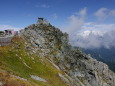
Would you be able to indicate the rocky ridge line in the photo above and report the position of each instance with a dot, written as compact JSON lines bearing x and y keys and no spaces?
{"x":79,"y":69}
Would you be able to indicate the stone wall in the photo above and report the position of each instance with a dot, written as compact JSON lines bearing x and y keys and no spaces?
{"x":4,"y":41}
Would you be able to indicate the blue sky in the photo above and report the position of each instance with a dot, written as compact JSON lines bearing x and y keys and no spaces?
{"x":20,"y":13}
{"x":80,"y":18}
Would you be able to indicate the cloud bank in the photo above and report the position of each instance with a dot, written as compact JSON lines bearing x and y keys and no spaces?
{"x":90,"y":34}
{"x":96,"y":37}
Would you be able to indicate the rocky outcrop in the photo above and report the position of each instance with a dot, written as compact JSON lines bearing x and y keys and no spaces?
{"x":79,"y":69}
{"x":38,"y":78}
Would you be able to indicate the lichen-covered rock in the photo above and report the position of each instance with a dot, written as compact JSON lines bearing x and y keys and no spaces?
{"x":82,"y":70}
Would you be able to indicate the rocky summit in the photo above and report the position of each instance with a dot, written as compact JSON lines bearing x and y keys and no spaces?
{"x":41,"y":55}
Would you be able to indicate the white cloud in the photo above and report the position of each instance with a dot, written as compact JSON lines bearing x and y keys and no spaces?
{"x":42,"y":6}
{"x":90,"y":34}
{"x":82,"y":12}
{"x":75,"y":22}
{"x":45,"y":6}
{"x":4,"y":27}
{"x":112,"y":13}
{"x":104,"y":13}
{"x":55,"y":16}
{"x":99,"y":27}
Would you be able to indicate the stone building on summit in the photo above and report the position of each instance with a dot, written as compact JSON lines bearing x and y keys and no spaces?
{"x":42,"y":21}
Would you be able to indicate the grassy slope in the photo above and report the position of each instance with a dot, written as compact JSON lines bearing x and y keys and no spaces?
{"x":8,"y":80}
{"x":12,"y":60}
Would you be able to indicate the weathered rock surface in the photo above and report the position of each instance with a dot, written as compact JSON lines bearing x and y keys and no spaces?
{"x":80,"y":69}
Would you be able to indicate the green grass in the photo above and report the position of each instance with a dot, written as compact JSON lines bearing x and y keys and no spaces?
{"x":11,"y":62}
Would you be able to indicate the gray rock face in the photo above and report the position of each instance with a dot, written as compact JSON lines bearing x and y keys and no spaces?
{"x":80,"y":69}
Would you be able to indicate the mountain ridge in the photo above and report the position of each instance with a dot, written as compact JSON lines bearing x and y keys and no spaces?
{"x":44,"y":53}
{"x":103,"y":55}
